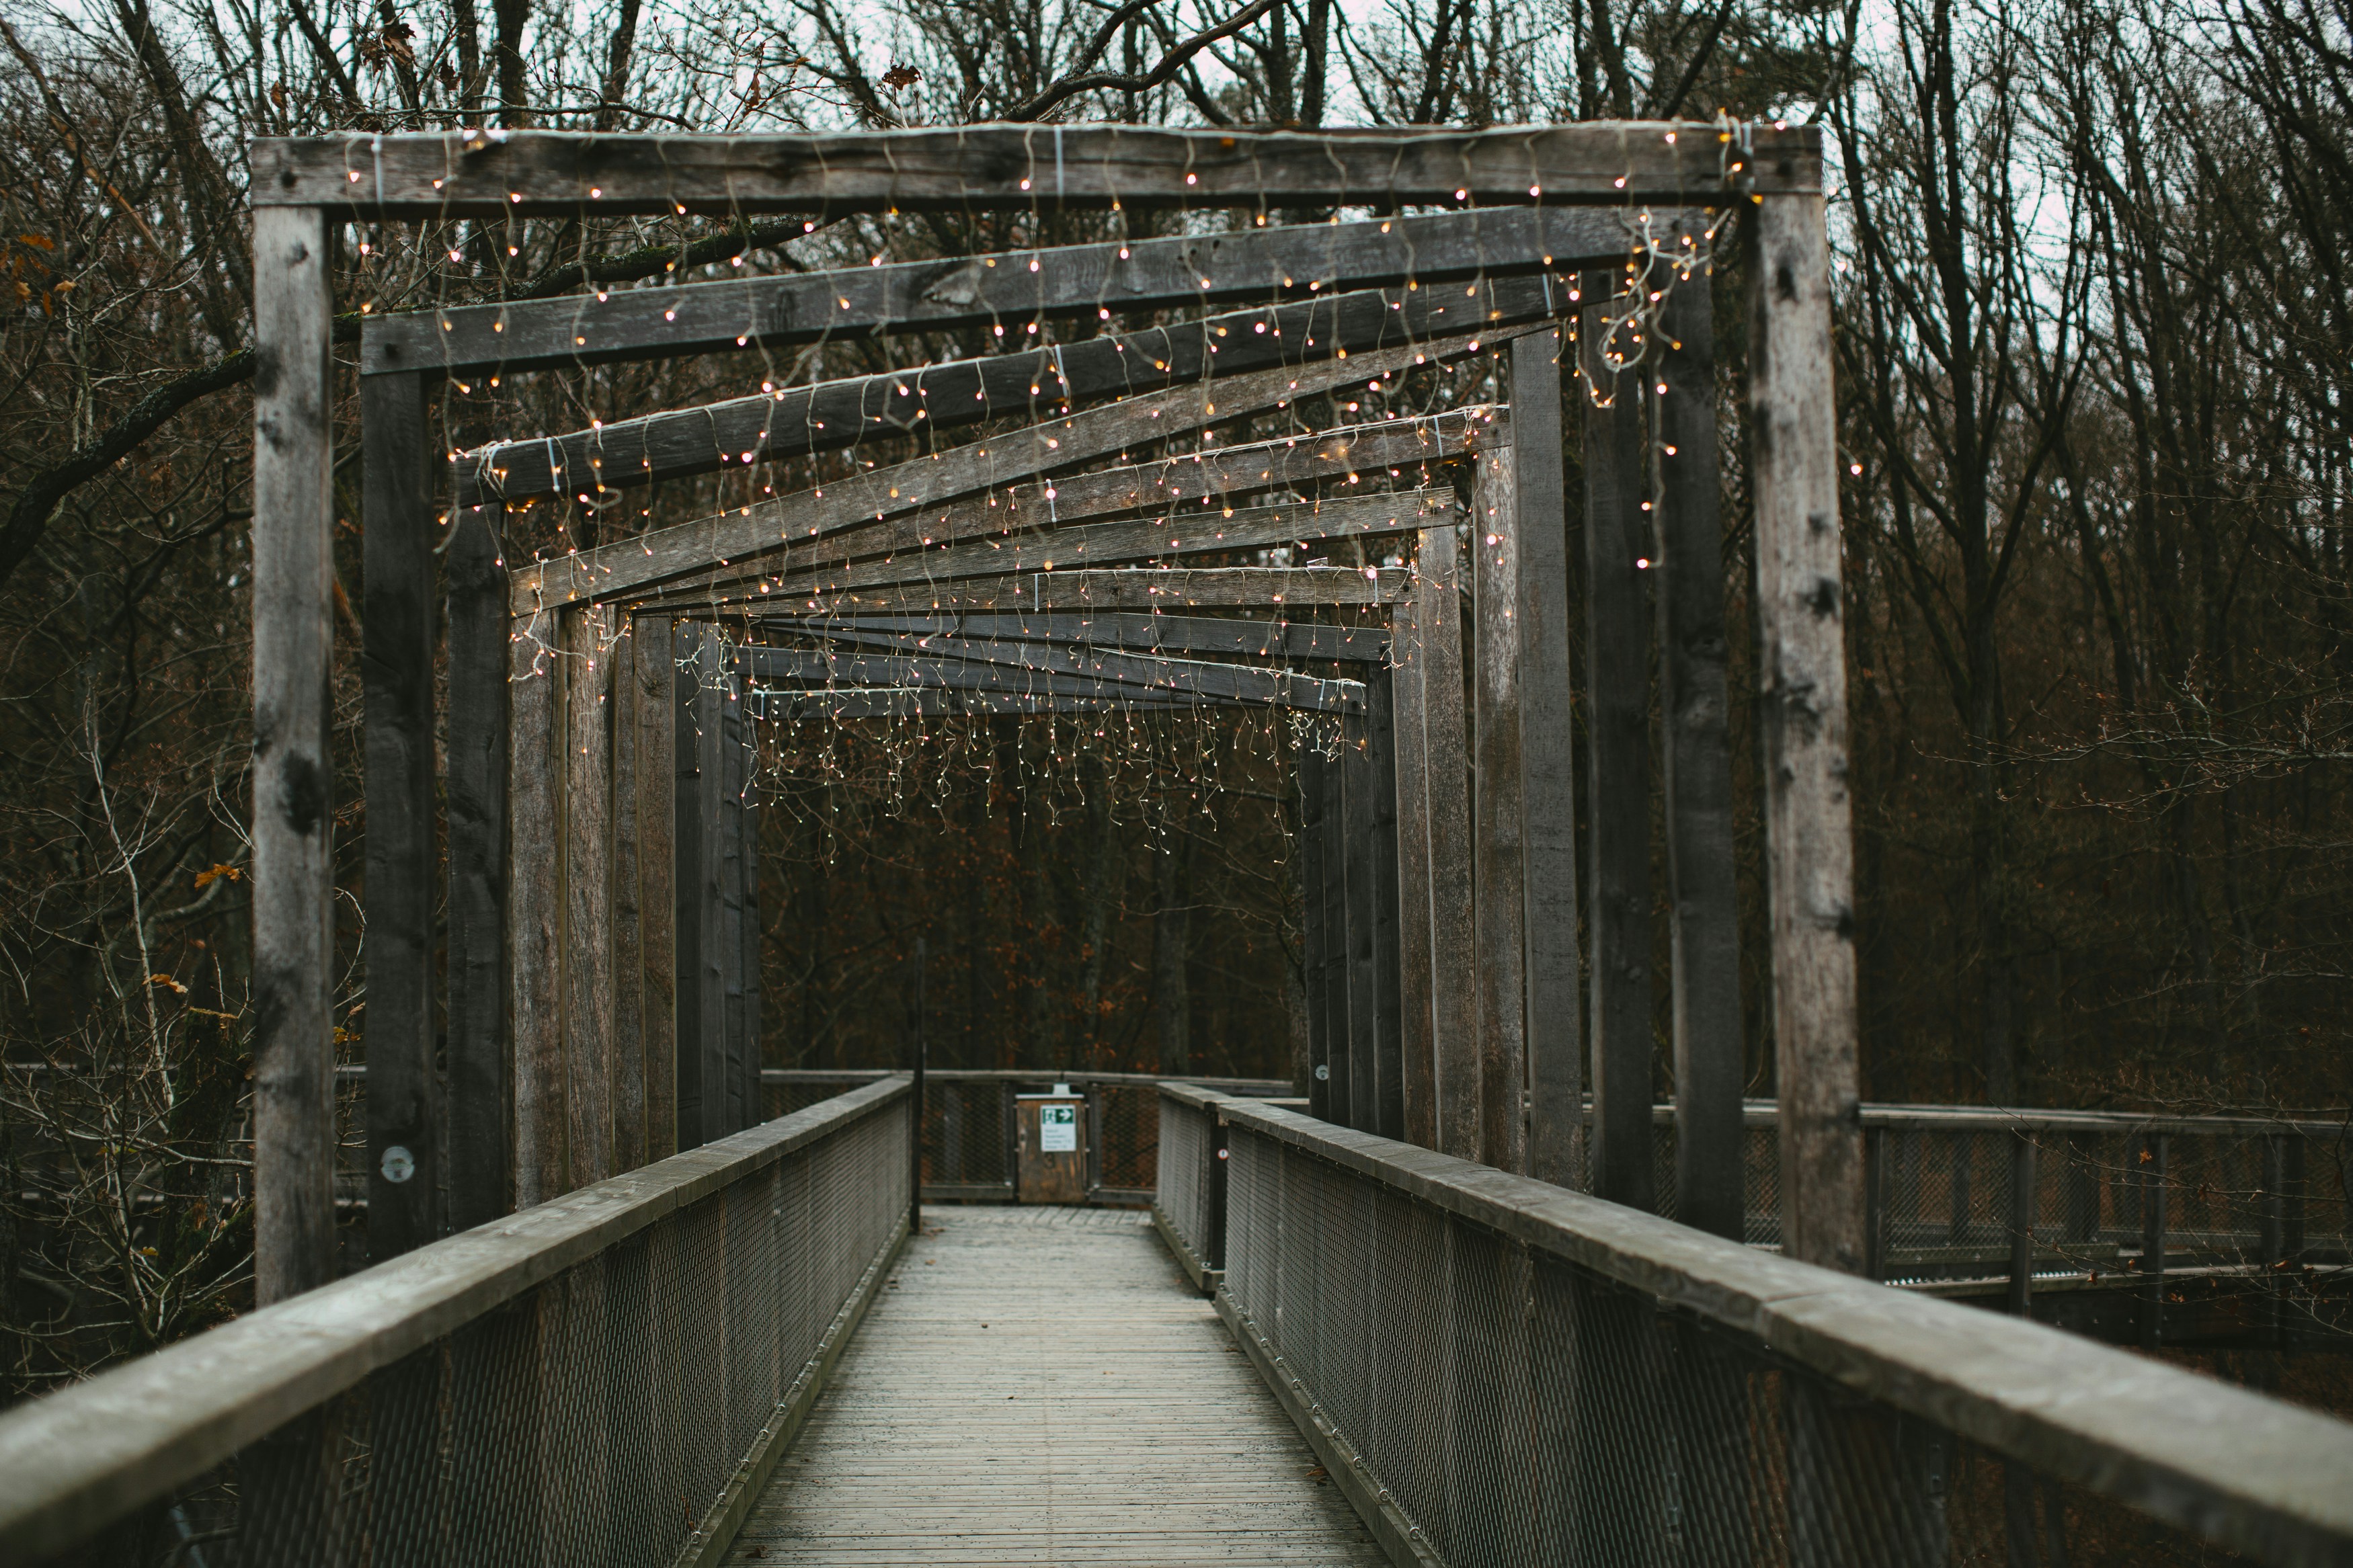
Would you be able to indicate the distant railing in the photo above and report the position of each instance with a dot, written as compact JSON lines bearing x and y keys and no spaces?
{"x":1500,"y":1371}
{"x":601,"y":1379}
{"x":968,"y":1127}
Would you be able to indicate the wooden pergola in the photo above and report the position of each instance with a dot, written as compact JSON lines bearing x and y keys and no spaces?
{"x":582,"y":966}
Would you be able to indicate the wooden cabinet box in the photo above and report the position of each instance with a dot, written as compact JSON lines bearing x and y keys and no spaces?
{"x":1050,"y":1149}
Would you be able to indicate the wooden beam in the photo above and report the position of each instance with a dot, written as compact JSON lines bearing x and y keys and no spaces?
{"x":1415,"y":979}
{"x":1339,"y":1021}
{"x":1043,"y":384}
{"x":628,"y":1053}
{"x":404,"y":1087}
{"x":480,"y":1068}
{"x":1710,"y":1065}
{"x":1500,"y":911}
{"x":1454,"y":964}
{"x":536,"y":775}
{"x":915,"y":661}
{"x":654,"y":675}
{"x":847,"y":703}
{"x":701,"y":997}
{"x":630,"y":566}
{"x":1555,"y":1038}
{"x":1380,"y":851}
{"x":1180,"y":531}
{"x":1617,"y":550}
{"x":1252,"y":637}
{"x":1251,"y":266}
{"x":1119,"y":589}
{"x":293,"y":780}
{"x":1358,"y":871}
{"x":1802,"y":686}
{"x":790,"y":668}
{"x":738,"y":973}
{"x":585,"y":835}
{"x":478,"y":173}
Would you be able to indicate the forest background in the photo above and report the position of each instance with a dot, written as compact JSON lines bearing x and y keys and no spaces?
{"x":2095,"y":320}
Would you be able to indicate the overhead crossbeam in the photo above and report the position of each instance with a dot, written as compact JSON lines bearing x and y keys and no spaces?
{"x":480,"y":173}
{"x":914,"y":664}
{"x":590,"y":465}
{"x":1014,"y":289}
{"x":841,"y":705}
{"x":799,"y":668}
{"x":1171,"y":634}
{"x":1119,"y":589}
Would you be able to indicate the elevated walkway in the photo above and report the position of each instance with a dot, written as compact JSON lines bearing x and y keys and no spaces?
{"x":1041,"y":1386}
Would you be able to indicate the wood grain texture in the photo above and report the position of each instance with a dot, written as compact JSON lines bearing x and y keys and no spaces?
{"x":1358,"y":829}
{"x":1031,"y":386}
{"x":1252,"y":637}
{"x":1102,"y":1415}
{"x":1455,"y":1004}
{"x":1117,"y":588}
{"x":536,"y":775}
{"x":481,"y":173}
{"x":774,"y":310}
{"x":840,"y":704}
{"x":1339,"y":1018}
{"x":586,"y":845}
{"x":293,"y":780}
{"x":480,"y":1071}
{"x":1618,"y":751}
{"x":628,"y":911}
{"x":1555,"y":1033}
{"x":1709,"y":1061}
{"x":1380,"y":851}
{"x":955,"y":660}
{"x":1418,"y":1069}
{"x":1313,"y":938}
{"x":1801,"y":710}
{"x":404,"y":1083}
{"x":1500,"y":920}
{"x":655,"y":675}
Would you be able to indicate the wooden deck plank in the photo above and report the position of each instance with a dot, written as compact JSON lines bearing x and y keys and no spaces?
{"x":1039,"y":1386}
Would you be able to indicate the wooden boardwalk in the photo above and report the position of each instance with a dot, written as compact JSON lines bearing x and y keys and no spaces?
{"x":1041,"y":1386}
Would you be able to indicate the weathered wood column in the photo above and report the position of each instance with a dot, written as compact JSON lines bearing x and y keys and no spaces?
{"x":1801,"y":685}
{"x":585,"y":835}
{"x":702,"y":999}
{"x":1502,"y":909}
{"x":1454,"y":987}
{"x":1418,"y":1069}
{"x":535,"y":773}
{"x":1618,"y":547}
{"x":645,"y":1108}
{"x":1339,"y":1023}
{"x":1358,"y":829}
{"x":1312,"y":936}
{"x":1555,"y":1035}
{"x":1708,"y":1055}
{"x":480,"y":1066}
{"x":404,"y":1089}
{"x":1381,"y":853}
{"x":293,"y":781}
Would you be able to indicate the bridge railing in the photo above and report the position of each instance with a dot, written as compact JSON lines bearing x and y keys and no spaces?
{"x":1502,"y":1372}
{"x":601,"y":1379}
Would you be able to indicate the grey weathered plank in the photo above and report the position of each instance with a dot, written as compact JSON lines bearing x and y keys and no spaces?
{"x":1339,"y":1018}
{"x":844,"y":703}
{"x":481,"y":1072}
{"x":293,"y":782}
{"x":535,"y":778}
{"x":1380,"y":851}
{"x":655,"y":674}
{"x":628,"y":1014}
{"x":404,"y":1090}
{"x":1035,"y":386}
{"x":1555,"y":1037}
{"x":478,"y":173}
{"x":1703,"y":915}
{"x":702,"y":1091}
{"x":913,"y":657}
{"x":1252,"y":636}
{"x":1313,"y":938}
{"x":1181,"y":531}
{"x":1360,"y":834}
{"x":1419,"y":1066}
{"x":1119,"y":589}
{"x":1618,"y":546}
{"x":796,"y":669}
{"x":1801,"y":689}
{"x":754,"y":532}
{"x":585,"y":841}
{"x":1500,"y":918}
{"x":1455,"y":1004}
{"x":1009,"y":288}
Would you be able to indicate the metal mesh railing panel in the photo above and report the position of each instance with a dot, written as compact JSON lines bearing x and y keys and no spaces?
{"x":1127,"y":1136}
{"x":596,"y":1418}
{"x":1186,"y":1144}
{"x":1516,"y":1406}
{"x":965,"y":1132}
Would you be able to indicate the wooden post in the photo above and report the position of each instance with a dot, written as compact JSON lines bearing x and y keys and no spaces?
{"x":1381,"y":856}
{"x":586,"y":833}
{"x":1875,"y":1178}
{"x":1708,"y":1057}
{"x":293,"y":782}
{"x":747,"y":866}
{"x":1312,"y":935}
{"x":2021,"y":1223}
{"x":1454,"y":987}
{"x":1417,"y":1069}
{"x":404,"y":1090}
{"x":701,"y":1002}
{"x":536,"y":778}
{"x":1556,"y":1036}
{"x":1339,"y":1025}
{"x":655,"y":678}
{"x":1501,"y":905}
{"x":629,"y":998}
{"x":2152,"y":1241}
{"x":480,"y":1071}
{"x":1359,"y":829}
{"x":1617,"y":550}
{"x":1802,"y":682}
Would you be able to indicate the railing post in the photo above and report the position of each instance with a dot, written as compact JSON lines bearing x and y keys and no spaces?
{"x":1339,"y":1025}
{"x":1875,"y":1176}
{"x":2152,"y":1240}
{"x":2021,"y":1223}
{"x":915,"y":1138}
{"x":1213,"y":1228}
{"x":1497,"y":888}
{"x":480,"y":1071}
{"x":1313,"y":938}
